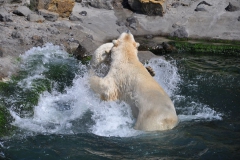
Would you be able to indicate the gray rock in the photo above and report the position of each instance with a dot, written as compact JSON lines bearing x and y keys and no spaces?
{"x":122,"y":29}
{"x":35,"y":18}
{"x":75,"y":18}
{"x":50,"y":16}
{"x":200,"y":9}
{"x":204,"y":3}
{"x":2,"y":2}
{"x":53,"y":30}
{"x":83,"y":13}
{"x":22,"y":11}
{"x":103,"y":4}
{"x":79,"y":1}
{"x":16,"y":35}
{"x":135,"y":5}
{"x":132,"y":22}
{"x":180,"y":33}
{"x":175,"y":4}
{"x":150,"y":9}
{"x":120,"y":23}
{"x":4,"y":16}
{"x":239,"y":18}
{"x":85,"y":48}
{"x":150,"y":36}
{"x":1,"y":52}
{"x":231,"y":8}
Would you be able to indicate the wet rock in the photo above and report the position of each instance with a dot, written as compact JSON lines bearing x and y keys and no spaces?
{"x":102,"y":4}
{"x":62,"y":7}
{"x":4,"y":16}
{"x":35,"y":18}
{"x":16,"y":35}
{"x":22,"y":11}
{"x":180,"y":33}
{"x":75,"y":18}
{"x":50,"y":16}
{"x":231,"y":8}
{"x":83,"y":13}
{"x":168,"y":48}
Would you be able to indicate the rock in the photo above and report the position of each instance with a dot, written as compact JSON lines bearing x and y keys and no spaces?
{"x":102,"y":4}
{"x":122,"y":29}
{"x":180,"y":33}
{"x":231,"y":8}
{"x":1,"y":52}
{"x":53,"y":30}
{"x":200,"y":9}
{"x":62,"y":7}
{"x":50,"y":16}
{"x":239,"y":18}
{"x":175,"y":4}
{"x":75,"y":18}
{"x":132,"y":22}
{"x":16,"y":35}
{"x":83,"y":13}
{"x":149,"y":7}
{"x":79,"y":1}
{"x":4,"y":16}
{"x":120,"y":23}
{"x":37,"y":41}
{"x":205,"y":3}
{"x":85,"y":48}
{"x":7,"y":67}
{"x":149,"y":36}
{"x":35,"y":18}
{"x":2,"y":2}
{"x":168,"y":48}
{"x":22,"y":11}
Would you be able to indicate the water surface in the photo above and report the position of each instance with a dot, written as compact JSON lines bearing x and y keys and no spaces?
{"x":70,"y":122}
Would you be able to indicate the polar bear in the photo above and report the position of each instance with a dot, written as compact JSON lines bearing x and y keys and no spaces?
{"x":128,"y":80}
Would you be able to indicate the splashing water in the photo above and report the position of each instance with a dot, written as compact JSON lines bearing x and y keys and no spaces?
{"x":77,"y":109}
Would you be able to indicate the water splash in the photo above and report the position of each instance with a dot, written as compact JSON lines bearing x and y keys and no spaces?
{"x":77,"y":109}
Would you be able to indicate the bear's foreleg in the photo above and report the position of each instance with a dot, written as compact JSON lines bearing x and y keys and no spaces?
{"x":105,"y":87}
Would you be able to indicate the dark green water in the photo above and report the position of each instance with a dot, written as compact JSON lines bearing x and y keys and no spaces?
{"x":75,"y":125}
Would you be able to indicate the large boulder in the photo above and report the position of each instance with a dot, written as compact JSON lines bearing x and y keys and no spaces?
{"x":62,"y":7}
{"x":149,"y":7}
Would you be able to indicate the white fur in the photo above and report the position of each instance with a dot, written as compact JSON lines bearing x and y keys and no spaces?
{"x":128,"y":80}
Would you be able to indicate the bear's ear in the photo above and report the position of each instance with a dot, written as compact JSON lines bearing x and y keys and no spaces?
{"x":115,"y":43}
{"x":136,"y":44}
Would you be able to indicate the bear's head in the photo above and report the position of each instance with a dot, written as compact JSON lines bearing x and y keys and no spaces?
{"x":125,"y":45}
{"x":126,"y":38}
